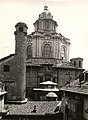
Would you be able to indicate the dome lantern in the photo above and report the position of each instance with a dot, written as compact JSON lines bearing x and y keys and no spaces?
{"x":45,"y":22}
{"x":45,"y":14}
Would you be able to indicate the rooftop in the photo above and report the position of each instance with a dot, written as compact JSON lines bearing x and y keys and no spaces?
{"x":7,"y":57}
{"x":76,"y":87}
{"x":42,"y":107}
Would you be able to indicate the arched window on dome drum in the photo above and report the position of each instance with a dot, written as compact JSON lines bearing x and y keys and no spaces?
{"x":46,"y":51}
{"x":29,"y":51}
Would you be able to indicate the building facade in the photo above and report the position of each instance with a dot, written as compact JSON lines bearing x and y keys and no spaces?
{"x":40,"y":56}
{"x":75,"y":99}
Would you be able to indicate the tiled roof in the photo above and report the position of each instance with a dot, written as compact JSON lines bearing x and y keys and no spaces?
{"x":75,"y":87}
{"x":66,"y":65}
{"x":42,"y":107}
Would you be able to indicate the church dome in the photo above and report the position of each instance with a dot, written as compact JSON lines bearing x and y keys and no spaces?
{"x":45,"y":14}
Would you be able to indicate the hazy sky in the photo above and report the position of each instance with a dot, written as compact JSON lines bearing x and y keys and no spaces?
{"x":71,"y":17}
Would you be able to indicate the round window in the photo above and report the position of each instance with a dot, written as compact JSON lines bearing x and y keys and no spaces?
{"x":21,"y":29}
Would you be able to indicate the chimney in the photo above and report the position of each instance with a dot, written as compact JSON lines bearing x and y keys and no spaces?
{"x":20,"y":58}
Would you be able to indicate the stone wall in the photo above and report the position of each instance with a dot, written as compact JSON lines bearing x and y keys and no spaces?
{"x":9,"y":77}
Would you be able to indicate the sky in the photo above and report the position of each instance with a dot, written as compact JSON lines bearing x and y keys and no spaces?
{"x":70,"y":15}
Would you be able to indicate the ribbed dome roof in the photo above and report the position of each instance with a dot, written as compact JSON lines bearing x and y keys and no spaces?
{"x":45,"y":14}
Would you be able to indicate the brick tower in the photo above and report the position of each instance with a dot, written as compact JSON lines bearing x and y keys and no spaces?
{"x":20,"y":57}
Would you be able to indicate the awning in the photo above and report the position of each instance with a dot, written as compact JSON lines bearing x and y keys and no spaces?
{"x":46,"y":89}
{"x":51,"y":94}
{"x":48,"y":83}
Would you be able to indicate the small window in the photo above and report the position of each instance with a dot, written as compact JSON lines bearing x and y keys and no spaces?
{"x":74,"y":63}
{"x":54,"y":79}
{"x":41,"y":79}
{"x":62,"y":58}
{"x":80,"y":64}
{"x":21,"y":29}
{"x":27,"y":69}
{"x":86,"y":76}
{"x":1,"y":98}
{"x":47,"y":79}
{"x":6,"y":68}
